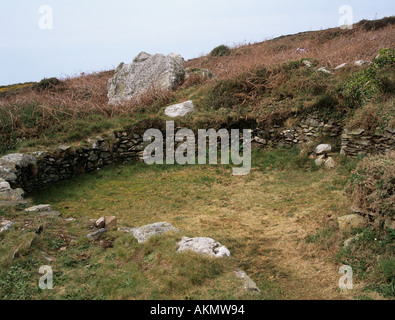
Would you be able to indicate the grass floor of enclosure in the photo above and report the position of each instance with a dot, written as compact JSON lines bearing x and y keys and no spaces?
{"x":279,"y":223}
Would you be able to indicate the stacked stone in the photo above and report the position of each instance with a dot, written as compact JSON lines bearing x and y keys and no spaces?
{"x":307,"y":130}
{"x":358,"y":141}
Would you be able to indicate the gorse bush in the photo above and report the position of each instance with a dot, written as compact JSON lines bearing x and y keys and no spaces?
{"x":220,"y":51}
{"x":386,"y":57}
{"x":361,"y":87}
{"x":372,"y":185}
{"x":47,"y":84}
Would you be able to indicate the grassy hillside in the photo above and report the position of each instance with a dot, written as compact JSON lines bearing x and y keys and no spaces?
{"x":279,"y":222}
{"x":261,"y":83}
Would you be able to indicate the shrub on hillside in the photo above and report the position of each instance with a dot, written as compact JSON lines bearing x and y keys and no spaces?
{"x":372,"y":185}
{"x":360,"y":87}
{"x":386,"y":57}
{"x":47,"y":84}
{"x":220,"y":51}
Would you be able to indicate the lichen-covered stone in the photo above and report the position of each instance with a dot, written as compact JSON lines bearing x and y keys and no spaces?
{"x":142,"y":234}
{"x":205,"y":246}
{"x":145,"y":72}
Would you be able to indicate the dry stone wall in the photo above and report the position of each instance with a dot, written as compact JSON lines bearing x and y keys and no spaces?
{"x":39,"y":169}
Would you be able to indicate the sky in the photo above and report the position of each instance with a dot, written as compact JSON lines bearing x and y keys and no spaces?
{"x":96,"y":35}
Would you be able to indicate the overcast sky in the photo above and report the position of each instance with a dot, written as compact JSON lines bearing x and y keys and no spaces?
{"x":94,"y":35}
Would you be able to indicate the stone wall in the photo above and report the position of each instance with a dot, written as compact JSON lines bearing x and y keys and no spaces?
{"x":306,"y":130}
{"x":35,"y":171}
{"x":32,"y":172}
{"x":358,"y":141}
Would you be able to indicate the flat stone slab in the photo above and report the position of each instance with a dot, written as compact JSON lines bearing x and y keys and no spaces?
{"x":180,"y":109}
{"x":5,"y":225}
{"x":97,"y":234}
{"x":323,"y":149}
{"x":205,"y":246}
{"x":142,"y":234}
{"x":43,"y":209}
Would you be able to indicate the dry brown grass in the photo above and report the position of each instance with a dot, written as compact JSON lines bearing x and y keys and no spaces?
{"x":329,"y":47}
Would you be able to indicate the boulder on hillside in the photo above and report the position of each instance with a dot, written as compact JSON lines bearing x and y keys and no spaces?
{"x":180,"y":109}
{"x":145,"y":72}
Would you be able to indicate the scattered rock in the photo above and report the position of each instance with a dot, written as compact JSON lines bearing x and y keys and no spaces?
{"x":43,"y":209}
{"x":125,"y":229}
{"x":7,"y":174}
{"x":249,"y":284}
{"x":96,"y":235}
{"x":39,"y":208}
{"x":324,"y":70}
{"x":146,"y":71}
{"x":179,"y":110}
{"x":142,"y":234}
{"x":320,"y":160}
{"x":340,"y":66}
{"x":110,"y":222}
{"x":307,"y":63}
{"x":351,"y":221}
{"x":348,"y":242}
{"x":260,"y":140}
{"x":206,"y":246}
{"x":360,"y":63}
{"x":5,"y":225}
{"x":100,"y":223}
{"x":323,"y":149}
{"x":330,"y":163}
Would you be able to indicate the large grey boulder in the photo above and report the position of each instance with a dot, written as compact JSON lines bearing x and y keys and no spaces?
{"x":205,"y":246}
{"x":142,"y":234}
{"x":16,"y":161}
{"x":180,"y":109}
{"x":145,"y":72}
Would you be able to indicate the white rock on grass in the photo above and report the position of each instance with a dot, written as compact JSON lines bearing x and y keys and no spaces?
{"x":324,"y":70}
{"x":360,"y":63}
{"x":142,"y":234}
{"x":340,"y":66}
{"x":323,"y":149}
{"x":205,"y":246}
{"x":43,"y":209}
{"x":180,"y":109}
{"x":5,"y":225}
